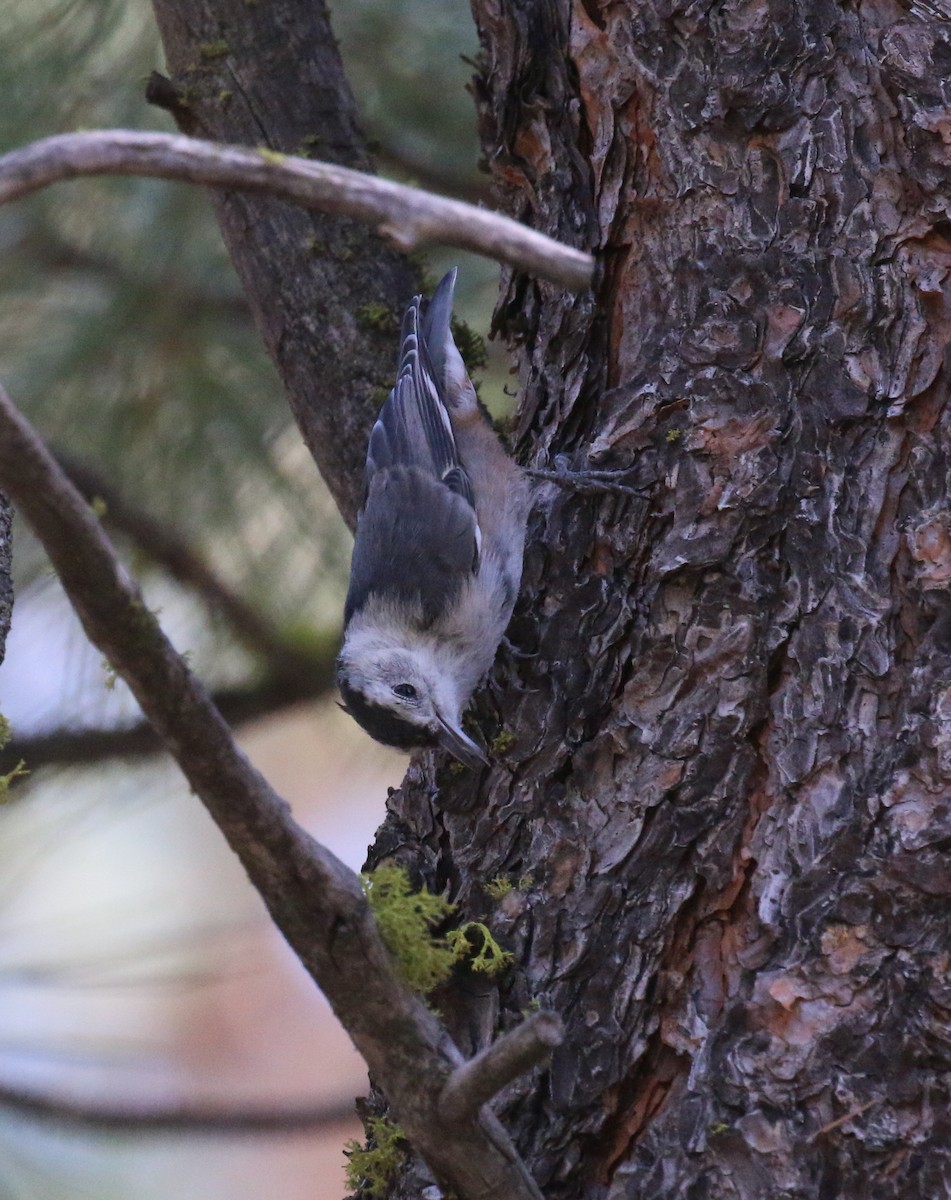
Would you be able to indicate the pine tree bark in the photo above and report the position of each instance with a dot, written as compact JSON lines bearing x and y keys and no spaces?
{"x":723,"y":797}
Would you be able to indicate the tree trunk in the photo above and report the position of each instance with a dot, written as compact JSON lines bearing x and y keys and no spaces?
{"x":724,"y":797}
{"x":325,"y":293}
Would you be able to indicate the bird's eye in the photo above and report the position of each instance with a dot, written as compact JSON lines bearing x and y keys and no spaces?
{"x":405,"y":691}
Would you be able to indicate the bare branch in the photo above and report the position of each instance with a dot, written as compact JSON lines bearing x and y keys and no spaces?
{"x":236,"y":705}
{"x":314,"y":899}
{"x":134,"y":1117}
{"x":478,"y":1080}
{"x":408,"y":216}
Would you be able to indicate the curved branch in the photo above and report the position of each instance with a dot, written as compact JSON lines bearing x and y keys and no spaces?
{"x":314,"y":899}
{"x":408,"y":216}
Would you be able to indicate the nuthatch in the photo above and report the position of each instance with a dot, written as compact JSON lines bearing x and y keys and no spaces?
{"x":437,"y":558}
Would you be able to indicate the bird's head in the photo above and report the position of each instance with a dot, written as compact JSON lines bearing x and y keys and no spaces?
{"x":402,"y":697}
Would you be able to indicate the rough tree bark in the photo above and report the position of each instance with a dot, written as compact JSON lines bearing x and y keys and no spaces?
{"x":729,"y":765}
{"x":722,"y":799}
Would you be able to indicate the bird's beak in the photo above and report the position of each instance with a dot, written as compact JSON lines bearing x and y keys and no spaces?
{"x":459,"y":745}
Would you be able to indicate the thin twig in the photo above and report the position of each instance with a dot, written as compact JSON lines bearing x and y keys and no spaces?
{"x":408,"y":216}
{"x":478,"y":1080}
{"x":314,"y":899}
{"x":846,"y":1117}
{"x":134,"y":1117}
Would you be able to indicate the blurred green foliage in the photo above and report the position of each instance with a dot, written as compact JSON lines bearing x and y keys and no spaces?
{"x":407,"y":64}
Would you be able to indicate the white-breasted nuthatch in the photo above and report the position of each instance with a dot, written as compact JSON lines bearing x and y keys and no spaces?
{"x":437,"y":558}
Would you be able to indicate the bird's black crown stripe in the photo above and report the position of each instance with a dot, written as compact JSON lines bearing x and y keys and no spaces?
{"x":382,"y":723}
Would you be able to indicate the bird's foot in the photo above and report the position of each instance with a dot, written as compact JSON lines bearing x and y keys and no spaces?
{"x":589,"y":481}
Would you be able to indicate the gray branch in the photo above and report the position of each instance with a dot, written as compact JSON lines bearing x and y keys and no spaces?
{"x":135,"y":1117}
{"x":406,"y":215}
{"x":478,"y":1080}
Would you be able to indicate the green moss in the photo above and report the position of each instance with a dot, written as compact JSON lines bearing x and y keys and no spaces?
{"x":99,"y":506}
{"x":371,"y":1169}
{"x":406,"y":920}
{"x":471,"y":345}
{"x":474,"y":942}
{"x":210,"y":50}
{"x":110,"y":673}
{"x":378,"y":317}
{"x":673,"y":435}
{"x":502,"y":885}
{"x":308,"y":144}
{"x":5,"y":780}
{"x":18,"y":771}
{"x":274,"y":157}
{"x":224,"y":96}
{"x":314,"y":245}
{"x":499,"y":887}
{"x":503,"y":741}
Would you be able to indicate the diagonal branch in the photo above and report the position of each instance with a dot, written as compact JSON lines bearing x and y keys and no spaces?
{"x":314,"y":899}
{"x":408,"y":216}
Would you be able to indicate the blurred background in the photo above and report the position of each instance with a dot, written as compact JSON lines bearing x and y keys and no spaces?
{"x":154,"y":1027}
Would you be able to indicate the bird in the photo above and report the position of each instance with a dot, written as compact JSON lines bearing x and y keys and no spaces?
{"x":438,"y":547}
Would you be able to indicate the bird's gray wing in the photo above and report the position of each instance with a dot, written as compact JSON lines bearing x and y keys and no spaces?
{"x":417,"y":544}
{"x":417,"y":539}
{"x":413,"y":428}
